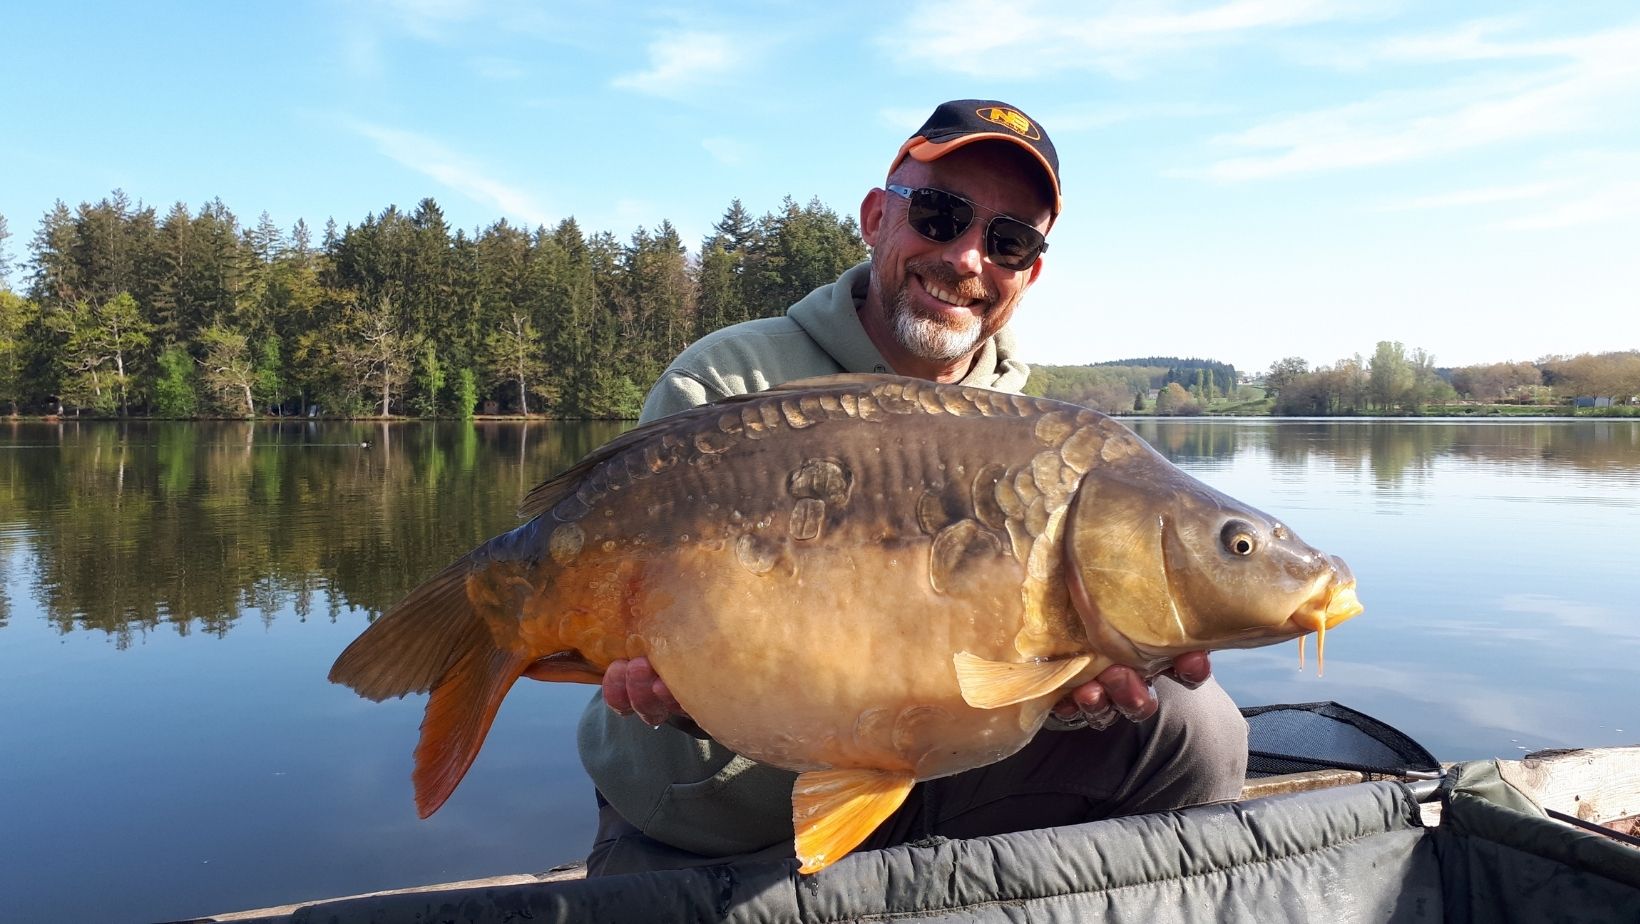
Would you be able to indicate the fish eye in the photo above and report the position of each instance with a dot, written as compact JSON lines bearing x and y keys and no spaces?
{"x":1239,"y":538}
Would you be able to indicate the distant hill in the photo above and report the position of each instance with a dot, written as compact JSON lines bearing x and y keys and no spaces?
{"x":1112,"y":386}
{"x":1221,"y":375}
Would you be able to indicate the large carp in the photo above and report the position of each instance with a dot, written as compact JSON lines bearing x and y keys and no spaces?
{"x":865,"y":579}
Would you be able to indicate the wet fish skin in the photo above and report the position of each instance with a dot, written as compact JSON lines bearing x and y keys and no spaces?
{"x":868,"y":580}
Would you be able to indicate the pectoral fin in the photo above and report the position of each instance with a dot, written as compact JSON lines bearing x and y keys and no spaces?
{"x":834,"y":810}
{"x":994,"y":684}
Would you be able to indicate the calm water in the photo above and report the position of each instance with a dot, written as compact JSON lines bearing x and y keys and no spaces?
{"x":172,"y":595}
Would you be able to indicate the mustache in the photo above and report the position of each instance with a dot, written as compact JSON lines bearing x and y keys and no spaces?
{"x":963,"y":287}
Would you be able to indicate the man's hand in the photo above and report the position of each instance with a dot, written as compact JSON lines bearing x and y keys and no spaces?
{"x":632,"y":687}
{"x":1120,"y":690}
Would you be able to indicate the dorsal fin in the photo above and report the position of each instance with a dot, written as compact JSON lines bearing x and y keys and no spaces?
{"x":546,"y":495}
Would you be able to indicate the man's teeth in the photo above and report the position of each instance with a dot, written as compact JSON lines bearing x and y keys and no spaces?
{"x":949,"y":298}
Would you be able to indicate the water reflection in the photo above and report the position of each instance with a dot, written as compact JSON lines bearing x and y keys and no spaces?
{"x":1400,"y":450}
{"x":125,"y":527}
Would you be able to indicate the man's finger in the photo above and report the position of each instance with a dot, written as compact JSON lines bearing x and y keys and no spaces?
{"x":1192,"y":668}
{"x":615,"y":696}
{"x":663,"y":693}
{"x":1094,"y":704}
{"x":640,"y":689}
{"x":1128,"y":692}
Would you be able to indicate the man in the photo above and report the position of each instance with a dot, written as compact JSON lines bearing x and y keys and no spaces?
{"x":957,"y":235}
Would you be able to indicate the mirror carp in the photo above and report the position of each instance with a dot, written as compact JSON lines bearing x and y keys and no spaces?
{"x":868,"y":580}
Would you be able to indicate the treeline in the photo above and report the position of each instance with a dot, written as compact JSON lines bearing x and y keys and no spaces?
{"x":131,"y":313}
{"x":1395,"y":380}
{"x":1204,"y":377}
{"x":1180,"y":386}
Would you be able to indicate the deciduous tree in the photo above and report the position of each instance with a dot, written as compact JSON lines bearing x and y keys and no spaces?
{"x":513,"y":355}
{"x":97,"y":342}
{"x":16,"y":316}
{"x":229,"y":371}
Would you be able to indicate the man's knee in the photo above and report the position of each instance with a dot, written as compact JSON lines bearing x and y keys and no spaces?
{"x":1199,"y":742}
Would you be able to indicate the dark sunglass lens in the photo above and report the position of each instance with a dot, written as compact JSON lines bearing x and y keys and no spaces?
{"x":938,"y":216}
{"x":1013,"y":244}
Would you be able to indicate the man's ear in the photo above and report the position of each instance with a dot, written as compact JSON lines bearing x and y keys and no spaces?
{"x":871,"y":215}
{"x":1036,"y":271}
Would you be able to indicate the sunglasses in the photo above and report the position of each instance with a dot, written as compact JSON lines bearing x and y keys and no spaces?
{"x":942,"y":217}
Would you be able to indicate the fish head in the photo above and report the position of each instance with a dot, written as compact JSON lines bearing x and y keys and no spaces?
{"x":1158,"y":563}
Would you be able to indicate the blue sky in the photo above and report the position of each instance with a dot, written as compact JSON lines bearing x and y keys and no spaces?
{"x":1244,"y":179}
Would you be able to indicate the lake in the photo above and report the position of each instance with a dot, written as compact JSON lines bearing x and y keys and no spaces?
{"x":172,"y":596}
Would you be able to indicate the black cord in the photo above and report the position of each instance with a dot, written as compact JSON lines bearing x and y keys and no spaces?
{"x":1629,"y":839}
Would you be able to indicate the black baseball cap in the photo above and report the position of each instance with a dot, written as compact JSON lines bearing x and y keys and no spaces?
{"x":964,"y":121}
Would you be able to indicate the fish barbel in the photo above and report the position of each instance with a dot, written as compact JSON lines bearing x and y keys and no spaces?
{"x":868,"y":580}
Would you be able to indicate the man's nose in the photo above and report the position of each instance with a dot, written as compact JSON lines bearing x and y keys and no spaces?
{"x":966,"y":254}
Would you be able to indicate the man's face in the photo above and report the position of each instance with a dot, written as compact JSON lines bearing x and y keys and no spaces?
{"x":943,"y":300}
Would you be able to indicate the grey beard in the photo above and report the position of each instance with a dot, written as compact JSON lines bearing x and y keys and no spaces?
{"x":928,"y":338}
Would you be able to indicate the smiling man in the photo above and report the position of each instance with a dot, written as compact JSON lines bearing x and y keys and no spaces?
{"x":957,"y":234}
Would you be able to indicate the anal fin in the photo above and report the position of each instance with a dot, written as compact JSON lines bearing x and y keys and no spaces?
{"x":834,"y":810}
{"x":993,"y":684}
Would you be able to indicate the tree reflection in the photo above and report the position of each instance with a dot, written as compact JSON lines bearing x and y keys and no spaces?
{"x":1395,"y":451}
{"x":1193,"y":441}
{"x":128,"y":526}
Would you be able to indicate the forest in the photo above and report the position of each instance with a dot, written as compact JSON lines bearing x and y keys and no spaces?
{"x":128,"y":312}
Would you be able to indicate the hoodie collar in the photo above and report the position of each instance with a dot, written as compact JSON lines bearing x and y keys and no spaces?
{"x":830,"y":315}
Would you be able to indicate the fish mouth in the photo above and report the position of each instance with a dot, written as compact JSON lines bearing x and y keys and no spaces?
{"x":1337,"y":604}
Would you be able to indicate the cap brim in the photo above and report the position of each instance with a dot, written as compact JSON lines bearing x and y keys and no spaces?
{"x":920,"y":148}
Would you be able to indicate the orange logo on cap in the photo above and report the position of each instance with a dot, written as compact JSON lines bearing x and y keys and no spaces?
{"x":1012,"y":119}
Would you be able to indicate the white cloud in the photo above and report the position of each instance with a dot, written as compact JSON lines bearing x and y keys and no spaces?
{"x":498,"y":69}
{"x":1040,"y":37}
{"x":1615,"y":201}
{"x":726,"y":151}
{"x":437,"y":20}
{"x":425,"y":19}
{"x":1092,"y":117}
{"x":1558,"y":86}
{"x":454,"y":170}
{"x":1484,"y":195}
{"x":681,"y":63}
{"x":902,"y":119}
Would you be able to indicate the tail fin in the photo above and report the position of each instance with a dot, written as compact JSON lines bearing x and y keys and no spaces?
{"x":435,"y":640}
{"x":412,"y":647}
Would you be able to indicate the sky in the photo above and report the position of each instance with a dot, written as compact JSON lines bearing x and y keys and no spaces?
{"x":1244,"y":180}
